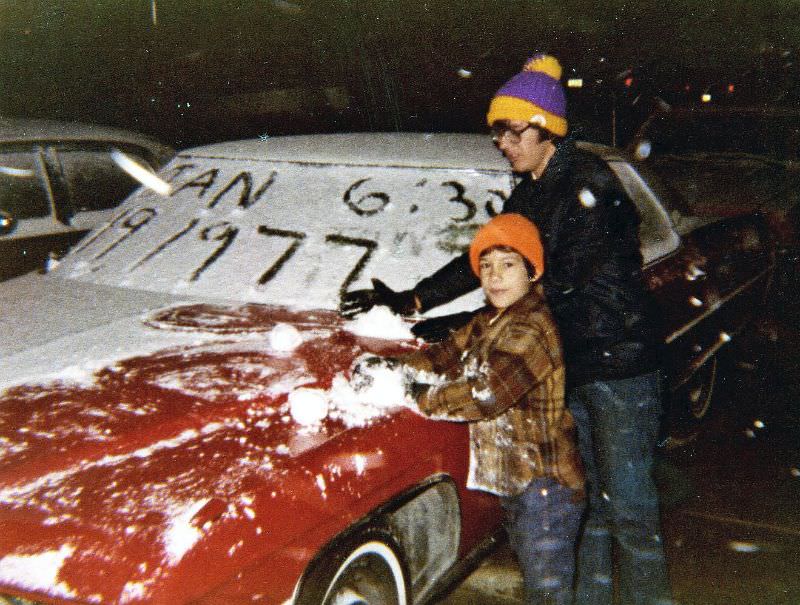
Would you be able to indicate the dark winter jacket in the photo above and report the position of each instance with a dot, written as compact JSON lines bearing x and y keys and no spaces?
{"x":593,"y":267}
{"x":505,"y":376}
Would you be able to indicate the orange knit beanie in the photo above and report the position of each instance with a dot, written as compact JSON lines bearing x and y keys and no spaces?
{"x":514,"y":231}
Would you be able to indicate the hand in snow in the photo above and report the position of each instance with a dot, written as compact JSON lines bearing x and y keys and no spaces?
{"x":363,"y":369}
{"x":360,"y":301}
{"x":415,"y":390}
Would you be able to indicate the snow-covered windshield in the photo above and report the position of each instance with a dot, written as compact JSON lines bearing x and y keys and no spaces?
{"x":287,"y":233}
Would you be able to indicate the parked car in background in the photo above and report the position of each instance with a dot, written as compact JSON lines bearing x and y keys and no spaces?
{"x":726,"y":161}
{"x":151,"y":449}
{"x":57,"y":181}
{"x":772,"y":132}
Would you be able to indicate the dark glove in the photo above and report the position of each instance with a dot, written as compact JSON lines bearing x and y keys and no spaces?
{"x":437,"y":329}
{"x":360,"y":301}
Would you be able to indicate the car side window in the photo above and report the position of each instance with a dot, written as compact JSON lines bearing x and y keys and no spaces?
{"x":656,"y":233}
{"x":21,"y":191}
{"x":93,"y":180}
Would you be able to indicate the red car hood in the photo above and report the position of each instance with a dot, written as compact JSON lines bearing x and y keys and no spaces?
{"x":118,"y":487}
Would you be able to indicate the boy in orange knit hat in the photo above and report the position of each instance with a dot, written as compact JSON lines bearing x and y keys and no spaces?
{"x":503,"y":373}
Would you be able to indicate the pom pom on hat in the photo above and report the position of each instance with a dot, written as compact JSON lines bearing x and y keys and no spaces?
{"x":545,"y":64}
{"x":534,"y":95}
{"x":512,"y":230}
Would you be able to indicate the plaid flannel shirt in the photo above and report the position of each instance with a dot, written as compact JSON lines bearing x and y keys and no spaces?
{"x":505,"y":376}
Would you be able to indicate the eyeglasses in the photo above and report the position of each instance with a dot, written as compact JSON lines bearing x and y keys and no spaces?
{"x":513,"y":136}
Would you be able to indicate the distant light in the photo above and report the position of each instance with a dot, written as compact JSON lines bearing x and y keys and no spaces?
{"x":706,"y":98}
{"x":575,"y":83}
{"x":758,"y":424}
{"x":464,"y":73}
{"x":145,"y":176}
{"x":731,"y":88}
{"x":287,"y":7}
{"x":628,"y":81}
{"x":741,"y":546}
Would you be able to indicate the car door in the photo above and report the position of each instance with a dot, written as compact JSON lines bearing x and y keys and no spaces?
{"x":709,"y":276}
{"x":676,"y":270}
{"x":730,"y":262}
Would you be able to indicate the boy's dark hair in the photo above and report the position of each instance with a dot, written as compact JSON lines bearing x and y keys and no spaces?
{"x":546,"y":135}
{"x":528,"y":264}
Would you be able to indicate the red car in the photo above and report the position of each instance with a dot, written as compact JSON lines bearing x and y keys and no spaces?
{"x":149,"y":451}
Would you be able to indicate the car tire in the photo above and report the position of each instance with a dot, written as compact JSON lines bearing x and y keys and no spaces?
{"x":367,"y":569}
{"x":690,"y":404}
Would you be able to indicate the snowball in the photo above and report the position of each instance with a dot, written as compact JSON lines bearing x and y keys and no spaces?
{"x":284,"y":337}
{"x":308,"y":407}
{"x":380,"y":322}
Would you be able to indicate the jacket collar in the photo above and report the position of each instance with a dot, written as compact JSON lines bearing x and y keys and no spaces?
{"x":527,"y":304}
{"x":558,"y":164}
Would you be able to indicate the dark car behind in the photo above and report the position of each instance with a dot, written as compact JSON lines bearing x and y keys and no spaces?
{"x":730,"y":161}
{"x":57,"y":181}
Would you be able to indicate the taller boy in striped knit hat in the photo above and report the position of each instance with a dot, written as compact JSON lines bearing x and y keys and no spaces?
{"x":594,"y":287}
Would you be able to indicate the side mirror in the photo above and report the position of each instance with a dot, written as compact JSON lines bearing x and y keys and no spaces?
{"x":7,"y":222}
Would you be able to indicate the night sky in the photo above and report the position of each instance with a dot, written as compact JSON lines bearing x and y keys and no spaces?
{"x":190,"y":72}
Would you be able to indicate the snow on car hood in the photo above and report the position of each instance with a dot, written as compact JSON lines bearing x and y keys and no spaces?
{"x":37,"y":309}
{"x":185,"y":448}
{"x":144,"y":383}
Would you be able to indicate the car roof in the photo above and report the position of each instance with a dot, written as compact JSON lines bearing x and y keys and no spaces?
{"x":402,"y":149}
{"x":17,"y":130}
{"x":368,"y":149}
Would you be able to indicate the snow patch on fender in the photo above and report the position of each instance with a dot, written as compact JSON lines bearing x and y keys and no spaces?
{"x":38,"y":572}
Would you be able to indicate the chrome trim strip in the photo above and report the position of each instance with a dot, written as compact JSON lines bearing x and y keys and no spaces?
{"x":681,"y":331}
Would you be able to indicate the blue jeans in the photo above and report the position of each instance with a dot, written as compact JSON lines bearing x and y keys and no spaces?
{"x":618,"y":422}
{"x":543,"y":524}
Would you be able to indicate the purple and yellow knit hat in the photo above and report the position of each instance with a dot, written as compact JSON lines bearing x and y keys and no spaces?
{"x":534,"y":95}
